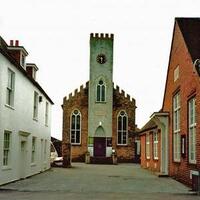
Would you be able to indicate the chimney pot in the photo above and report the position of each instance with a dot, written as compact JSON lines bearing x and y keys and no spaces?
{"x":11,"y":42}
{"x":16,"y":43}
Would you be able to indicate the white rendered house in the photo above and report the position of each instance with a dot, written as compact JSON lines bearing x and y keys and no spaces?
{"x":25,"y":116}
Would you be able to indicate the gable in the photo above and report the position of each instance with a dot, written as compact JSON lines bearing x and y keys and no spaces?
{"x":180,"y":59}
{"x":181,"y":62}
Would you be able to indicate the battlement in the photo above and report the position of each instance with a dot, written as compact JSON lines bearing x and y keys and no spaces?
{"x":77,"y":91}
{"x":122,"y":92}
{"x":81,"y":89}
{"x":102,"y":35}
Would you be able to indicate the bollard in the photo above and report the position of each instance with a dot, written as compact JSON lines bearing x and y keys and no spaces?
{"x":87,"y":157}
{"x":114,"y":158}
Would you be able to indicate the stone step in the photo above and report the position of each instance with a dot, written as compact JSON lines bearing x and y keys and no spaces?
{"x":101,"y":160}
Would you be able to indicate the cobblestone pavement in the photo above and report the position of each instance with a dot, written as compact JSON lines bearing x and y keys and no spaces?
{"x":123,"y":181}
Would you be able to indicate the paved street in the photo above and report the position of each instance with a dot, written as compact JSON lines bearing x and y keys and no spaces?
{"x":123,"y":181}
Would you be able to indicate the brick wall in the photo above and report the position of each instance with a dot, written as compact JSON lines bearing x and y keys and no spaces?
{"x":151,"y":163}
{"x":188,"y":85}
{"x":122,"y":102}
{"x":16,"y":55}
{"x":80,"y":101}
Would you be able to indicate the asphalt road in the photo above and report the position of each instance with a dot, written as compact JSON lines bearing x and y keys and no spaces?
{"x":82,"y":181}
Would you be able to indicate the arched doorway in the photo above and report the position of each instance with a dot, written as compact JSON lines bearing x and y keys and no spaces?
{"x":100,"y":143}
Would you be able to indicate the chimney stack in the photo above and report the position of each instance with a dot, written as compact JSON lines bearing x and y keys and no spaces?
{"x":19,"y":53}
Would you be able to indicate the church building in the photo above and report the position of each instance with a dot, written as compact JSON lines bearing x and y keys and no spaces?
{"x":99,"y":119}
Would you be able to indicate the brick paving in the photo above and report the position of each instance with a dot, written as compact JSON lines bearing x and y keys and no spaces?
{"x":82,"y":181}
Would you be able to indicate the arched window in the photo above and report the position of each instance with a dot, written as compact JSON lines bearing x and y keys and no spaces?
{"x":101,"y":91}
{"x":75,"y":127}
{"x":122,"y":130}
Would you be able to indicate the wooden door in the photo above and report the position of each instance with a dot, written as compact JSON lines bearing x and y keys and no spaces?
{"x":99,"y":147}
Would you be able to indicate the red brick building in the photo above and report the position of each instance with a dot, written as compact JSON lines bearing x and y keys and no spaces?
{"x":181,"y":105}
{"x":154,"y":144}
{"x":150,"y":145}
{"x":182,"y":100}
{"x":99,"y":119}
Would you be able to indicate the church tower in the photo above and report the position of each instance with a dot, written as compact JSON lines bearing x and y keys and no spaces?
{"x":99,"y":119}
{"x":100,"y":101}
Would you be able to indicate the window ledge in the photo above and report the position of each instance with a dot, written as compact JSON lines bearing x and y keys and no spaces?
{"x":33,"y":164}
{"x":156,"y":159}
{"x":192,"y":162}
{"x":76,"y":144}
{"x":4,"y":168}
{"x":35,"y":119}
{"x":122,"y":145}
{"x":9,"y":106}
{"x":99,"y":102}
{"x":177,"y":161}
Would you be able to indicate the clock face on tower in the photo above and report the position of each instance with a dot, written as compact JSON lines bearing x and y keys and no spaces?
{"x":101,"y":59}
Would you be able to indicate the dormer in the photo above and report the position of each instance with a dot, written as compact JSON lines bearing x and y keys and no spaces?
{"x":31,"y":70}
{"x":19,"y":53}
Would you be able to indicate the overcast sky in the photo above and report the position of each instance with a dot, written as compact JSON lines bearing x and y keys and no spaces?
{"x":56,"y":35}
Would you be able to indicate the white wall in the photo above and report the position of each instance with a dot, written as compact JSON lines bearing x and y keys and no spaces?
{"x":19,"y":120}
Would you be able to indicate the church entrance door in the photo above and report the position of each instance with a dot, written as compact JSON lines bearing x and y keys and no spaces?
{"x":99,"y":147}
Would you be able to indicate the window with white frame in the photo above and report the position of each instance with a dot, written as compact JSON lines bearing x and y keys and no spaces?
{"x":34,"y":74}
{"x":46,"y":114}
{"x":10,"y":88}
{"x":147,"y":146}
{"x":122,"y":128}
{"x":155,"y":145}
{"x":75,"y":127}
{"x":176,"y":73}
{"x":192,"y":130}
{"x":35,"y":105}
{"x":33,"y":154}
{"x":101,"y":91}
{"x":23,"y":57}
{"x":6,"y":148}
{"x":176,"y":127}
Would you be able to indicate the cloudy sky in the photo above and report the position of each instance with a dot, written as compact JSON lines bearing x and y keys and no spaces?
{"x":56,"y":35}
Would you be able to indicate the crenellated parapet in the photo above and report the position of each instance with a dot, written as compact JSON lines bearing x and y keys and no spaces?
{"x":123,"y":94}
{"x":102,"y":35}
{"x":83,"y":90}
{"x":77,"y":92}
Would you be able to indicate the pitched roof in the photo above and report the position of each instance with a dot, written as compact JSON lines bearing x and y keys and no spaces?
{"x":4,"y":51}
{"x":190,"y":28}
{"x":148,"y":126}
